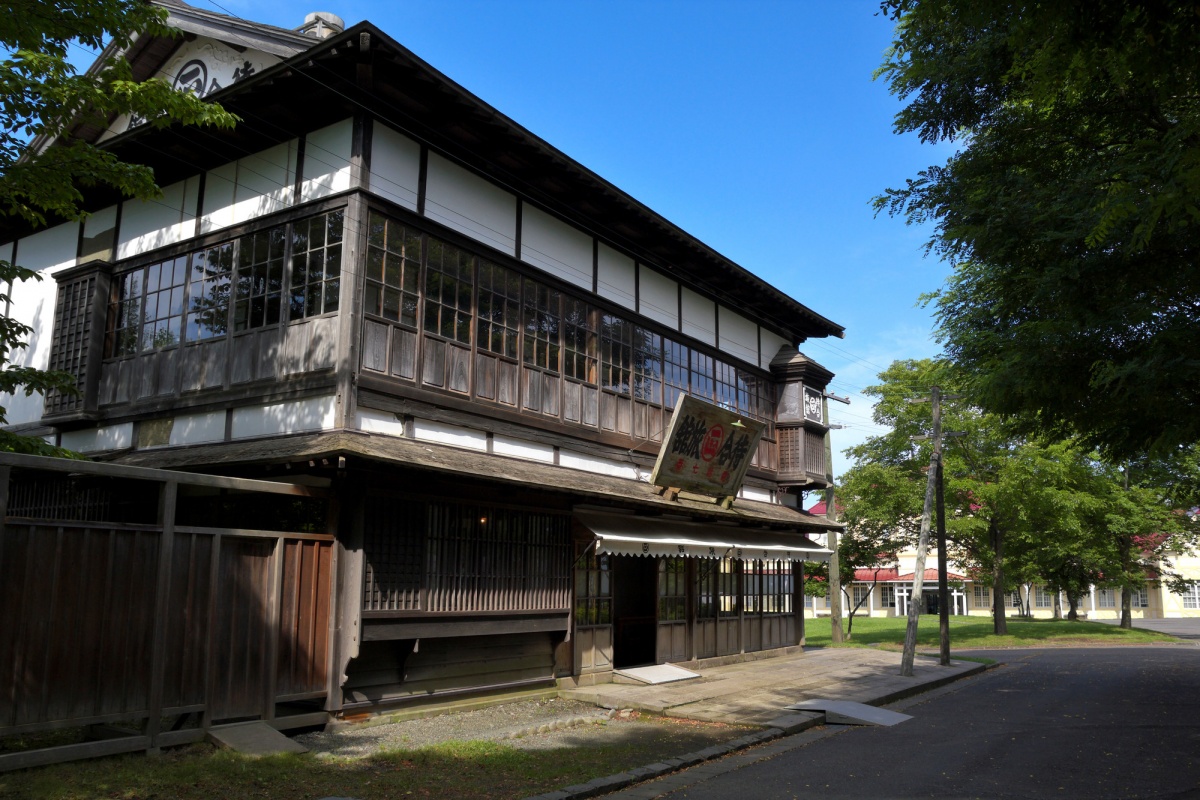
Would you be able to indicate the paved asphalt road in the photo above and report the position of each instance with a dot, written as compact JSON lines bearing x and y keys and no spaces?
{"x":1052,"y":723}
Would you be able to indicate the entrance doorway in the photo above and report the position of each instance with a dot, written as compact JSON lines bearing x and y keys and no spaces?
{"x":635,"y":624}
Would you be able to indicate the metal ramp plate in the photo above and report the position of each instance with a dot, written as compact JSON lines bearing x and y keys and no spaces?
{"x":660,"y":673}
{"x":846,"y":712}
{"x":253,"y":739}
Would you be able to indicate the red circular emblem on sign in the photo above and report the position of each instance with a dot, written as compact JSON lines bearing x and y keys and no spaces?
{"x":712,"y":443}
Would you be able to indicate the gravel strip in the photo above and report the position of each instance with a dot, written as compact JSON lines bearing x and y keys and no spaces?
{"x":511,"y":721}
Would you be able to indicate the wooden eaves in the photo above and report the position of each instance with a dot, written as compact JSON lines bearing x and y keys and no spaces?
{"x":461,"y":463}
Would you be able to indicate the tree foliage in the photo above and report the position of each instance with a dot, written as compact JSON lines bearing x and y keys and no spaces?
{"x":43,"y":169}
{"x":1019,"y":510}
{"x":1069,"y":212}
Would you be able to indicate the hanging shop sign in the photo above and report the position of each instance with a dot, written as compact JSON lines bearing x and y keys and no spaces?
{"x":813,"y":406}
{"x":707,"y":449}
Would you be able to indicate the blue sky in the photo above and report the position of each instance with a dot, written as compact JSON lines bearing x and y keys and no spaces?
{"x":753,"y":125}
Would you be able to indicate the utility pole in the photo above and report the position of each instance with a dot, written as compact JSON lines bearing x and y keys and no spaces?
{"x":943,"y":588}
{"x":915,"y":597}
{"x":831,"y":539}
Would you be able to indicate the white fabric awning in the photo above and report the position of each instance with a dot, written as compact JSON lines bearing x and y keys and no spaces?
{"x":632,"y":535}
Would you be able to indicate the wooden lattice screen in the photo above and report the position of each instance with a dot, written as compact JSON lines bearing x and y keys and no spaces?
{"x":72,"y":338}
{"x":458,"y":557}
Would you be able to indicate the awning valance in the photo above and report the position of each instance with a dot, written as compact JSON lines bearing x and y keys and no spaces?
{"x":632,"y":535}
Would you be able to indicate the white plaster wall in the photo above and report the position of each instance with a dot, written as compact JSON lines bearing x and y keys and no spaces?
{"x":754,"y":493}
{"x":265,"y":182}
{"x":383,"y":422}
{"x":658,"y":296}
{"x":395,"y":166}
{"x":602,"y":466}
{"x":553,"y":246}
{"x":327,"y":160}
{"x":429,"y":431}
{"x":616,"y":277}
{"x":699,"y":317}
{"x":463,"y":201}
{"x":253,"y":186}
{"x":738,"y":335}
{"x":100,"y":222}
{"x":32,"y":303}
{"x":316,"y":413}
{"x":217,"y":205}
{"x":92,"y":440}
{"x":198,"y":428}
{"x":516,"y":448}
{"x":769,"y":344}
{"x":149,"y":224}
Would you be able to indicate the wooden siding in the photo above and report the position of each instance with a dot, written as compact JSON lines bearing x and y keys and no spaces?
{"x":262,"y":354}
{"x":393,"y":671}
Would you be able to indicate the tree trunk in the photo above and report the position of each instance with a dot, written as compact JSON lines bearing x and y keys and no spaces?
{"x":1057,"y":606}
{"x":999,"y":621}
{"x":1073,"y":611}
{"x":1126,"y":607}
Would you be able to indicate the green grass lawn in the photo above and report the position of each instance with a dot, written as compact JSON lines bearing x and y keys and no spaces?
{"x":453,"y":770}
{"x":976,"y":633}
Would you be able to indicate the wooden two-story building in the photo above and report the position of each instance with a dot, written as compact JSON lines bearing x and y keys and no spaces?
{"x":381,"y":287}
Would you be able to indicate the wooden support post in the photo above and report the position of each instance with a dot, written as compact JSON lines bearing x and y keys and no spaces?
{"x":168,"y":497}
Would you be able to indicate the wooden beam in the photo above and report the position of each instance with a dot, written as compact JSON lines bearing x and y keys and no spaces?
{"x":110,"y":470}
{"x":380,"y":632}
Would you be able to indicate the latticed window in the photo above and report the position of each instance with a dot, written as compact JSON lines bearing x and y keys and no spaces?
{"x":393,"y":270}
{"x":753,"y":580}
{"x":259,"y":280}
{"x":482,"y":558}
{"x":859,"y":593}
{"x":448,"y":287}
{"x":208,"y":293}
{"x":727,"y":588}
{"x":541,"y":317}
{"x":887,"y":595}
{"x":581,"y":346}
{"x":593,"y":591}
{"x":982,"y":596}
{"x":702,"y":376}
{"x":1106,"y":598}
{"x":616,"y":354}
{"x":647,"y":366}
{"x":316,"y":265}
{"x":1140,"y":598}
{"x":1191,"y":597}
{"x":162,"y":310}
{"x":675,"y":371}
{"x":499,"y":309}
{"x":777,"y":586}
{"x":707,"y":590}
{"x":125,"y":314}
{"x":1043,"y":597}
{"x":672,"y":589}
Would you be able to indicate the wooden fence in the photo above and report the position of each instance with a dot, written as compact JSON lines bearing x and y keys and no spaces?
{"x":147,"y":634}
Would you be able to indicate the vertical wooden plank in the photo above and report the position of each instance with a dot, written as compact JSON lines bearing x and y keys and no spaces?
{"x":274,"y":590}
{"x":210,"y":688}
{"x":168,"y":495}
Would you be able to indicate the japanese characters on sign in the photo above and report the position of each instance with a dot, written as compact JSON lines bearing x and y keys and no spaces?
{"x":813,"y":406}
{"x":707,"y":449}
